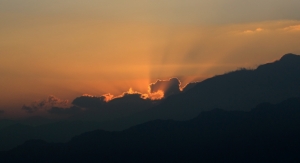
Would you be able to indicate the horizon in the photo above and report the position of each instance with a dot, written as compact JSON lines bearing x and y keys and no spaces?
{"x":156,"y":92}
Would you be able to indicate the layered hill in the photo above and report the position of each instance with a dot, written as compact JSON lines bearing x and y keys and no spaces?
{"x":268,"y":133}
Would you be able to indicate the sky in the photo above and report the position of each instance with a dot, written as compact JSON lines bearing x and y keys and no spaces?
{"x":72,"y":47}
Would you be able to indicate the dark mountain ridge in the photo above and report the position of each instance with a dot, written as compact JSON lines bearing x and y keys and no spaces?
{"x":267,"y":133}
{"x":238,"y":90}
{"x":242,"y":89}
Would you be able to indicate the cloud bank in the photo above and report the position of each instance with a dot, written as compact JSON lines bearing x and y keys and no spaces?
{"x":107,"y":106}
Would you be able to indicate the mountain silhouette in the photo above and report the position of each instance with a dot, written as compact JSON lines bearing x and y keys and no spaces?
{"x":244,"y":89}
{"x":239,"y":90}
{"x":267,"y":133}
{"x":62,"y":131}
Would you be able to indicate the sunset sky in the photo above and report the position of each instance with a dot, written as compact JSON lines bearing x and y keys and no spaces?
{"x":74,"y":47}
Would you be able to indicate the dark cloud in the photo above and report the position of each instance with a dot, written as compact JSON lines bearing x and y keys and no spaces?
{"x":90,"y":101}
{"x":45,"y":104}
{"x":104,"y":107}
{"x":169,"y":87}
{"x":128,"y":98}
{"x":131,"y":100}
{"x":106,"y":101}
{"x":65,"y":111}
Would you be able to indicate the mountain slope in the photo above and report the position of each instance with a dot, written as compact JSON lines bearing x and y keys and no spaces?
{"x":244,"y":89}
{"x":238,"y":90}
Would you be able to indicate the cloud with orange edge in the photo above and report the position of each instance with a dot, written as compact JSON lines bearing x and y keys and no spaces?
{"x":167,"y":87}
{"x":158,"y":95}
{"x":89,"y":104}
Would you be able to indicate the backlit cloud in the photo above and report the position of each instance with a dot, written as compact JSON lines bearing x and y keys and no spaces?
{"x":108,"y":106}
{"x":88,"y":101}
{"x":168,"y":87}
{"x":107,"y":100}
{"x":158,"y":95}
{"x":105,"y":107}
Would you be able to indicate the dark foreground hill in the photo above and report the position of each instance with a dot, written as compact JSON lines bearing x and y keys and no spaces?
{"x":62,"y":131}
{"x":268,"y":133}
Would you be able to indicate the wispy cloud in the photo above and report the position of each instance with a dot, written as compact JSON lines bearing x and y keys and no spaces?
{"x":293,"y":28}
{"x":253,"y":31}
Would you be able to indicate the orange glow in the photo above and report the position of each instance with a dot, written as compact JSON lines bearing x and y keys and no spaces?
{"x":130,"y":91}
{"x":156,"y":95}
{"x":87,"y":95}
{"x":108,"y":97}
